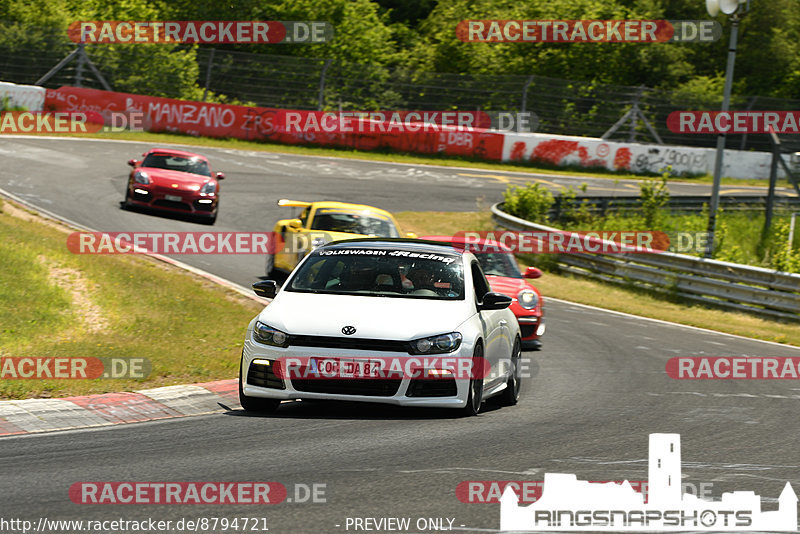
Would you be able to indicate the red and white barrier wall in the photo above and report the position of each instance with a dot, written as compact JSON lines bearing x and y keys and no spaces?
{"x":634,"y":157}
{"x":265,"y":124}
{"x":30,"y":97}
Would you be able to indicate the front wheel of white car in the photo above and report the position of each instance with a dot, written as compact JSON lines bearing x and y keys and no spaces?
{"x":475,"y":395}
{"x":510,"y":395}
{"x":255,"y":404}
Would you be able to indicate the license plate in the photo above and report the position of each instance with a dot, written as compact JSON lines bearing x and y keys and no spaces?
{"x":345,"y":368}
{"x":173,"y":198}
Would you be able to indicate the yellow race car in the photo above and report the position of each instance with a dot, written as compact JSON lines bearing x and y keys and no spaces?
{"x":323,"y":222}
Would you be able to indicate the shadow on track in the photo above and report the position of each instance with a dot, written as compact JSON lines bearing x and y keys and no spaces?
{"x":327,"y":409}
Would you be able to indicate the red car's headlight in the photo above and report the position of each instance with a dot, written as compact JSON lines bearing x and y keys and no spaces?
{"x":528,"y":299}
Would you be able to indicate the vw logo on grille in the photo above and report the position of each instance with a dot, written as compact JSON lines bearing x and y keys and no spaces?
{"x":349,"y":330}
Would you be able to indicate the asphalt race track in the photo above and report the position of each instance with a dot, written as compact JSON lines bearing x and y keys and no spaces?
{"x":598,"y":387}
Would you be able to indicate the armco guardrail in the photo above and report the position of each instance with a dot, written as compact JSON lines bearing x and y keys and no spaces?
{"x":714,"y":283}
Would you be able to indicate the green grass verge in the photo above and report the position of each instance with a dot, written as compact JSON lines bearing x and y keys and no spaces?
{"x":610,"y":296}
{"x":394,"y":157}
{"x":59,"y":304}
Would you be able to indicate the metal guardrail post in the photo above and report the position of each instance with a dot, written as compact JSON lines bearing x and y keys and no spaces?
{"x":750,"y":105}
{"x":525,"y":93}
{"x":321,"y":97}
{"x":773,"y":178}
{"x":83,"y":58}
{"x":208,"y":72}
{"x":79,"y":68}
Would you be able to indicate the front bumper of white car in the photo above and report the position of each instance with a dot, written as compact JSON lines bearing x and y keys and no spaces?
{"x":260,"y":377}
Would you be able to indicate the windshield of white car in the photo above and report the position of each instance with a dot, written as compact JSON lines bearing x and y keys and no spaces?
{"x":177,"y":163}
{"x":380,"y":273}
{"x":498,"y":264}
{"x":353,"y":223}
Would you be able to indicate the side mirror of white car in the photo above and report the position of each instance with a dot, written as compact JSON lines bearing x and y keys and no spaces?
{"x":494,"y":301}
{"x":266,"y":288}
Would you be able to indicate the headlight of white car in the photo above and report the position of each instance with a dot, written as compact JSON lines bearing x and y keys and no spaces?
{"x":267,"y":335}
{"x":141,"y":177}
{"x":441,"y":344}
{"x":528,"y":299}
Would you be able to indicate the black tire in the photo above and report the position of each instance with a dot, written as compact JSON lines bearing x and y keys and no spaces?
{"x":255,"y":404}
{"x":475,"y":396}
{"x":510,"y":395}
{"x":126,"y":204}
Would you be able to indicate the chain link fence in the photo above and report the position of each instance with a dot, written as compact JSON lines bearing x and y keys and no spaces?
{"x":566,"y":107}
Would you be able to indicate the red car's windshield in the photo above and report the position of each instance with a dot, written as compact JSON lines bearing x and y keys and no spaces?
{"x":498,"y":264}
{"x":177,"y":163}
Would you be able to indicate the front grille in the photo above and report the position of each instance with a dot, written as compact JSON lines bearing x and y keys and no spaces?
{"x":141,"y":197}
{"x":202,"y":207}
{"x":432,"y":387}
{"x":381,"y":345}
{"x":527,"y":330}
{"x":172,"y":204}
{"x":263,"y":376}
{"x":375,"y":387}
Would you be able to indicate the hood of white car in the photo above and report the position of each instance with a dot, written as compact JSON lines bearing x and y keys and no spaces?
{"x":373,"y":317}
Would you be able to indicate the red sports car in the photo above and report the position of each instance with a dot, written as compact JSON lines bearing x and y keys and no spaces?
{"x":503,"y":273}
{"x":174,"y":181}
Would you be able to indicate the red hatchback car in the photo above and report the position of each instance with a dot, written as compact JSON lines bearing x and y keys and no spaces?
{"x":174,"y":181}
{"x":504,"y":277}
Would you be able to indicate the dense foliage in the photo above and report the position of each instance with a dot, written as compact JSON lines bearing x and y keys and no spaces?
{"x":420,"y":35}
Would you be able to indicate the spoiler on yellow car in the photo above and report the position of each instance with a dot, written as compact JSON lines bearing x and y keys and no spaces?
{"x":285,"y":202}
